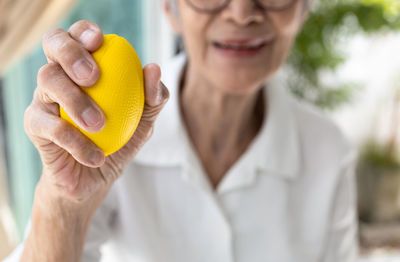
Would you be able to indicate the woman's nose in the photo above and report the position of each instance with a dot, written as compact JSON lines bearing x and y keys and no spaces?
{"x":243,"y":12}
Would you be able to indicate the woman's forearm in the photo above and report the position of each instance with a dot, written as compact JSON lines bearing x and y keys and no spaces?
{"x":58,"y":231}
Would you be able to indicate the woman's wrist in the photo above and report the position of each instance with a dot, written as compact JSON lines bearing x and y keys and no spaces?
{"x":52,"y":201}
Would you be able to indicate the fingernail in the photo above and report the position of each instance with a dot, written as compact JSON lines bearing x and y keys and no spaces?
{"x":91,"y":116}
{"x":82,"y":69}
{"x":87,"y":35}
{"x":96,"y":157}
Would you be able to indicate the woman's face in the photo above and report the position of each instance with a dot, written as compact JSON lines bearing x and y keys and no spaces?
{"x":240,"y":47}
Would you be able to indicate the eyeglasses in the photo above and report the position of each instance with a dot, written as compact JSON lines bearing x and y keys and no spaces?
{"x":214,"y":6}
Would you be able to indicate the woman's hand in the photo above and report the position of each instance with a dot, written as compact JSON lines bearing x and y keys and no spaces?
{"x":76,"y":174}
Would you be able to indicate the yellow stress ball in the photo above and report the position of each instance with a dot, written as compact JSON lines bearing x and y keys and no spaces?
{"x":119,"y":93}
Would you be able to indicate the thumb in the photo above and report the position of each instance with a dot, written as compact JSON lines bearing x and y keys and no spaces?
{"x":156,"y":93}
{"x":156,"y":97}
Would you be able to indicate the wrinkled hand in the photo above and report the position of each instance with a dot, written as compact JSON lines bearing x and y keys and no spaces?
{"x":74,"y":168}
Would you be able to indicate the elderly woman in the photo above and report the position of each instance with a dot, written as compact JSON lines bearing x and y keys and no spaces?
{"x":236,"y":169}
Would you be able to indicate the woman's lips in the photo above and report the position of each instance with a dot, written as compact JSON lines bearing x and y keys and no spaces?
{"x":241,"y":47}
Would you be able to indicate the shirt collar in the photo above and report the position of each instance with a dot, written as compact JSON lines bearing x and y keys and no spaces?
{"x":275,"y":150}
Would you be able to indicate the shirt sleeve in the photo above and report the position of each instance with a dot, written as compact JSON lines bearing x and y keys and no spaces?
{"x":99,"y":232}
{"x":342,"y":243}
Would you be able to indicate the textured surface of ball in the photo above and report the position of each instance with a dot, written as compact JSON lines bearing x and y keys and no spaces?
{"x":119,"y":93}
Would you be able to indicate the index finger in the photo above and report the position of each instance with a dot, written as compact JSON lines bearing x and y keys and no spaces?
{"x":76,"y":61}
{"x":87,"y":33}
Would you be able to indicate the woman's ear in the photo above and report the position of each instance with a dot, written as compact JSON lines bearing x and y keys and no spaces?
{"x":172,"y":15}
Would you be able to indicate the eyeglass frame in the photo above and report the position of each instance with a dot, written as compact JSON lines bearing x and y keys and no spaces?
{"x":227,"y":2}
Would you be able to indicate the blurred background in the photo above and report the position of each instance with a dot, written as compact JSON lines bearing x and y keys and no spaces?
{"x":346,"y":61}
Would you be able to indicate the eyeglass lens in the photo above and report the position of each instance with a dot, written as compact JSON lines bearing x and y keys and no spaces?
{"x":212,"y":5}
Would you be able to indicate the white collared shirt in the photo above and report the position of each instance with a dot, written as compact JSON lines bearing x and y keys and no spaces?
{"x":289,"y":198}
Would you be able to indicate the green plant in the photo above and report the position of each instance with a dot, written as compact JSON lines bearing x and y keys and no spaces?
{"x":379,"y":156}
{"x":317,"y":48}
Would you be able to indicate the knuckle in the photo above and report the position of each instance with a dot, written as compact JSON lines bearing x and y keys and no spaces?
{"x":68,"y":136}
{"x":32,"y":121}
{"x":79,"y":146}
{"x":66,"y":49}
{"x":149,"y":133}
{"x":28,"y":120}
{"x":45,"y":98}
{"x":83,"y":147}
{"x":72,"y":99}
{"x":71,"y":138}
{"x":59,"y":130}
{"x":76,"y":196}
{"x":42,"y":74}
{"x":82,"y":150}
{"x":51,"y":35}
{"x":47,"y":72}
{"x":151,"y":113}
{"x":37,"y":95}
